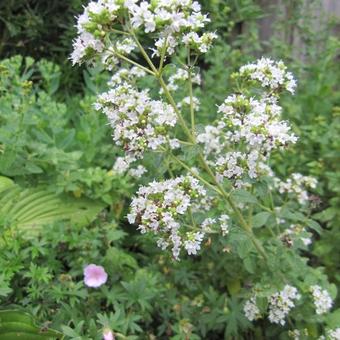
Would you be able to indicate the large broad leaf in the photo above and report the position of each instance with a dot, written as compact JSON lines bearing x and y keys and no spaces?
{"x":5,"y":183}
{"x":17,"y":325}
{"x":30,"y":209}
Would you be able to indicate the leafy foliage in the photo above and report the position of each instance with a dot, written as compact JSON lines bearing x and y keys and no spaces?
{"x":58,"y":152}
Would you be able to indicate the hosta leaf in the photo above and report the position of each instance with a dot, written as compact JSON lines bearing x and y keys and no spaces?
{"x":30,"y":209}
{"x":19,"y":325}
{"x":5,"y":183}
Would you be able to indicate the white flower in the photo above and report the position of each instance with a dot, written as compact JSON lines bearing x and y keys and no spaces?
{"x":82,"y":45}
{"x":125,"y":46}
{"x":141,"y":15}
{"x":250,"y":309}
{"x":122,"y":164}
{"x":334,"y":334}
{"x":297,"y":232}
{"x":168,"y":21}
{"x":281,"y":303}
{"x":296,"y":185}
{"x":161,"y":208}
{"x":139,"y":123}
{"x":179,"y":77}
{"x":270,"y":74}
{"x":186,"y":101}
{"x":322,"y":300}
{"x":294,"y":334}
{"x":126,"y":75}
{"x":224,"y":224}
{"x":193,"y":243}
{"x":174,"y":143}
{"x":169,"y":43}
{"x":252,"y":129}
{"x":207,"y":224}
{"x":200,"y":43}
{"x":138,"y":172}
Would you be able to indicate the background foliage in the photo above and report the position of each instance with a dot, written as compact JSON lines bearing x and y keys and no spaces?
{"x":52,"y":140}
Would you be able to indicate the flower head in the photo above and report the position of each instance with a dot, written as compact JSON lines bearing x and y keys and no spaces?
{"x":272,"y":75}
{"x":322,"y":300}
{"x":281,"y":303}
{"x":94,"y":276}
{"x":161,"y":208}
{"x":251,"y":311}
{"x":108,"y":334}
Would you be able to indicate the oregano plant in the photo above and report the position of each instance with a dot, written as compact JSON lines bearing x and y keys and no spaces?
{"x":218,"y":183}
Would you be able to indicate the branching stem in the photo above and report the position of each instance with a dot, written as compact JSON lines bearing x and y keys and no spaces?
{"x":217,"y":187}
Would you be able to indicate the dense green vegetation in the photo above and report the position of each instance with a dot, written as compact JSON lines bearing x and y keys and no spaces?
{"x":63,"y":207}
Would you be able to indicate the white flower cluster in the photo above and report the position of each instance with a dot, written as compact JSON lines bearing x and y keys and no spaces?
{"x":171,"y":21}
{"x":297,"y":232}
{"x":250,"y":309}
{"x":179,"y":77}
{"x":294,"y":334}
{"x":139,"y":123}
{"x":199,"y":43}
{"x":334,"y":334}
{"x":298,"y":334}
{"x":296,"y":185}
{"x":137,"y":172}
{"x":331,"y":334}
{"x":250,"y":127}
{"x":224,"y":224}
{"x":281,"y":303}
{"x":270,"y":74}
{"x":160,"y":208}
{"x":193,"y":241}
{"x":90,"y":25}
{"x":126,"y":75}
{"x":186,"y":101}
{"x":322,"y":300}
{"x":85,"y":45}
{"x":119,"y":47}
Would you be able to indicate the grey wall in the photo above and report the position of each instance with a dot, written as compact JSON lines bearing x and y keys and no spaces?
{"x":332,"y":6}
{"x":319,"y":10}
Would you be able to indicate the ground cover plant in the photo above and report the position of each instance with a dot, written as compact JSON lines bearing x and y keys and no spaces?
{"x":180,"y":195}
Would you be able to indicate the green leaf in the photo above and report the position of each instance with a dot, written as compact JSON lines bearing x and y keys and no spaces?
{"x":243,"y":196}
{"x":5,"y":183}
{"x":314,"y":225}
{"x":333,"y":319}
{"x":30,"y":209}
{"x":16,"y":325}
{"x":326,"y":215}
{"x":260,"y":219}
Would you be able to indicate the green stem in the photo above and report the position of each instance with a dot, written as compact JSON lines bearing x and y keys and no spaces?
{"x":134,"y":63}
{"x":145,"y":55}
{"x":178,"y":113}
{"x":164,"y":87}
{"x":192,"y":111}
{"x":192,"y":218}
{"x":194,"y":174}
{"x":164,"y":48}
{"x":185,"y":143}
{"x":247,"y":228}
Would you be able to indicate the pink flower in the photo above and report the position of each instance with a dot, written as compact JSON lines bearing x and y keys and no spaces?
{"x":94,"y":276}
{"x":108,"y":335}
